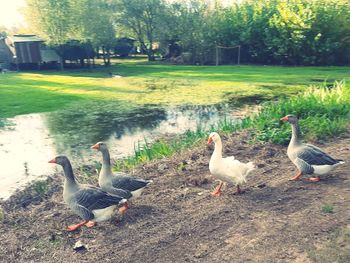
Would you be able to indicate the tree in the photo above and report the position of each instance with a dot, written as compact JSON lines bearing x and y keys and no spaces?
{"x":50,"y":19}
{"x":87,"y":21}
{"x":141,"y":19}
{"x":99,"y":31}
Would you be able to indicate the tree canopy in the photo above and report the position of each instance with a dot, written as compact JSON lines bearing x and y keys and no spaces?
{"x":293,"y":32}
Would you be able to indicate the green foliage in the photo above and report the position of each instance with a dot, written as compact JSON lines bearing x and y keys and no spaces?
{"x":66,"y":20}
{"x":74,"y":50}
{"x":323,"y":112}
{"x":327,"y":208}
{"x":141,"y":19}
{"x":50,"y":19}
{"x":41,"y":187}
{"x":294,"y":32}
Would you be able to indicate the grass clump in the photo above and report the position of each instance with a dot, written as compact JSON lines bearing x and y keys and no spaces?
{"x":146,"y":151}
{"x":41,"y":187}
{"x":327,"y":208}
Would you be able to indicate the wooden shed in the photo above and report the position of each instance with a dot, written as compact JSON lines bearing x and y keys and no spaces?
{"x":26,"y":51}
{"x":26,"y":47}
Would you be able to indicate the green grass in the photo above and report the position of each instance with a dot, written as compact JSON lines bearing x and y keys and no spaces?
{"x":41,"y":187}
{"x":327,"y":208}
{"x":145,"y":151}
{"x":155,"y":83}
{"x":323,"y":112}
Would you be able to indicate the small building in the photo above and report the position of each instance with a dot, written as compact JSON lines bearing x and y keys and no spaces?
{"x":25,"y":51}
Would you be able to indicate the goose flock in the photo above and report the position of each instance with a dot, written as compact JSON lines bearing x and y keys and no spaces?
{"x":95,"y":204}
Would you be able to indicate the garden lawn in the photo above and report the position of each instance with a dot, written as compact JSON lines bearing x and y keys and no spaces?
{"x":155,"y":83}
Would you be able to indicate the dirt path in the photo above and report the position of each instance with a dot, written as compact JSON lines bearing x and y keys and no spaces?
{"x":178,"y":221}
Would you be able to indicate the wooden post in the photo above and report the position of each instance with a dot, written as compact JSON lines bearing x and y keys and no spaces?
{"x":239,"y":54}
{"x":217,"y":56}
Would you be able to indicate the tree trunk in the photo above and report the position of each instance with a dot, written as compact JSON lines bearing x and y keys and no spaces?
{"x":104,"y":55}
{"x":108,"y":57}
{"x":150,"y":54}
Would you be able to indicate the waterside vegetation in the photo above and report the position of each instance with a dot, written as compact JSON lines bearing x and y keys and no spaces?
{"x":324,"y":112}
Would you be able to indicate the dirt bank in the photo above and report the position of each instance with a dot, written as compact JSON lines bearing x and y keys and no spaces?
{"x":177,"y":220}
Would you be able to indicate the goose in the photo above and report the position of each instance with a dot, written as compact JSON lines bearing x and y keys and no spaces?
{"x":227,"y":169}
{"x":89,"y":202}
{"x":118,"y":183}
{"x":308,"y":158}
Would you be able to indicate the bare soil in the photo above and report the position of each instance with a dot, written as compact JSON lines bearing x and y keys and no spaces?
{"x":177,"y":220}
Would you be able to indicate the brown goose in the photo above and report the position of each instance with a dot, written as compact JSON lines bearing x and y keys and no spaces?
{"x":308,"y":158}
{"x":89,"y":202}
{"x":118,"y":183}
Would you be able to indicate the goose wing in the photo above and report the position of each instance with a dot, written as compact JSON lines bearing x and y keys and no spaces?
{"x":129,"y":183}
{"x":93,"y":198}
{"x":315,"y":156}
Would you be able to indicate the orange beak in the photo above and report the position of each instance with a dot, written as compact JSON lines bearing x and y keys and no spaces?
{"x":210,"y":140}
{"x":53,"y":160}
{"x":285,"y":118}
{"x":95,"y":146}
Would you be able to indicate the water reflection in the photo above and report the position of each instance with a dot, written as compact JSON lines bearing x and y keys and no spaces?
{"x":24,"y":149}
{"x":27,"y":142}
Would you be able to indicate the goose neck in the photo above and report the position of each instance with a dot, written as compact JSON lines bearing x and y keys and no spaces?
{"x":69,"y":175}
{"x":106,"y":162}
{"x":218,"y":149}
{"x":296,"y":134}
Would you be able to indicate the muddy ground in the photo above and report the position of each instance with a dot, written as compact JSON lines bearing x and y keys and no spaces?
{"x":177,"y":220}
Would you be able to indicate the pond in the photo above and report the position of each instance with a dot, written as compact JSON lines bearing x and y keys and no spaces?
{"x":28,"y":142}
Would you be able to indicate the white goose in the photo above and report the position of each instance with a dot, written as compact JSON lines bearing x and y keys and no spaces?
{"x":227,"y":169}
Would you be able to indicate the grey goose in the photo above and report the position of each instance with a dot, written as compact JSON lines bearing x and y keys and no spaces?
{"x":89,"y":202}
{"x":118,"y":183}
{"x":308,"y":158}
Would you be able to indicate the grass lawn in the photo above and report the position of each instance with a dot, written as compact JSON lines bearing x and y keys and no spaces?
{"x":155,"y":83}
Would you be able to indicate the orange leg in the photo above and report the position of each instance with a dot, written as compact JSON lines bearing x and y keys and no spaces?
{"x":297,"y":177}
{"x":217,"y":191}
{"x":76,"y":226}
{"x":314,"y":179}
{"x":90,"y":224}
{"x":123,"y":209}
